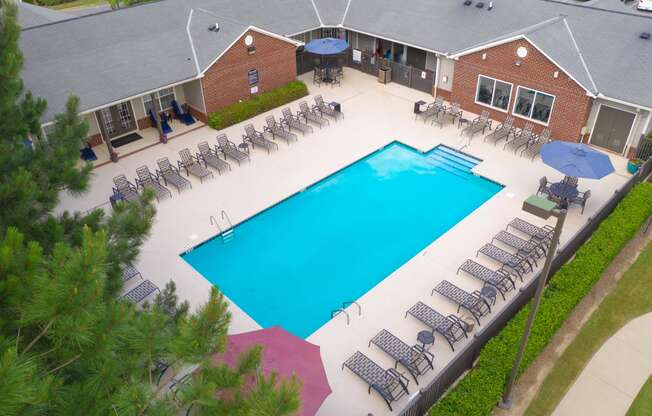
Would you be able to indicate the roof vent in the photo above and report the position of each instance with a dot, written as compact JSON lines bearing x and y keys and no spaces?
{"x":468,"y":2}
{"x":491,"y":5}
{"x":479,"y":5}
{"x":215,"y":27}
{"x":644,"y":35}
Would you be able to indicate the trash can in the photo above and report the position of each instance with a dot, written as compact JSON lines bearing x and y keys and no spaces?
{"x":336,"y":106}
{"x":417,"y":106}
{"x":384,"y":75}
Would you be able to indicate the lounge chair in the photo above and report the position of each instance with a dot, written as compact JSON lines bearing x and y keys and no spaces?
{"x":124,"y":189}
{"x":129,"y":272}
{"x":415,"y":359}
{"x":229,"y":149}
{"x":431,"y":110}
{"x":309,"y":114}
{"x":326,"y":109}
{"x":451,"y":327}
{"x":257,"y":138}
{"x":277,"y":130}
{"x":521,"y":138}
{"x":140,"y":292}
{"x":499,"y":279}
{"x":192,"y":166}
{"x":533,"y":149}
{"x":538,"y":233}
{"x":211,"y":158}
{"x":165,"y":127}
{"x":513,"y":262}
{"x":544,"y":188}
{"x":171,"y":175}
{"x":145,"y":179}
{"x":474,"y":302}
{"x":294,"y":122}
{"x":185,"y":118}
{"x":502,"y":131}
{"x":524,"y":248}
{"x":447,"y":114}
{"x":581,"y":199}
{"x":480,"y":123}
{"x":390,"y":384}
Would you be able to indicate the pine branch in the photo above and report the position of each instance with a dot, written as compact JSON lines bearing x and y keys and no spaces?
{"x":70,"y":361}
{"x":39,"y":336}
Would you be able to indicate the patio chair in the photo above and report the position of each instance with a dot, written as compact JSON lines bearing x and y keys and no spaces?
{"x":317,"y":76}
{"x":521,"y":138}
{"x":145,"y":179}
{"x":431,"y":110}
{"x":257,"y":138}
{"x":124,"y":189}
{"x":498,"y":279}
{"x":415,"y":359}
{"x":277,"y":130}
{"x":533,"y":149}
{"x":451,"y":327}
{"x":140,"y":292}
{"x":538,"y":233}
{"x":581,"y":199}
{"x":474,"y":302}
{"x":324,"y":108}
{"x":309,"y":114}
{"x":185,"y":118}
{"x":525,"y":248}
{"x":502,"y":131}
{"x":171,"y":175}
{"x":448,"y":114}
{"x":570,"y":180}
{"x":211,"y":158}
{"x":294,"y":122}
{"x":515,"y":263}
{"x":480,"y":123}
{"x":229,"y":149}
{"x":129,"y":272}
{"x":390,"y":384}
{"x":544,"y":187}
{"x":192,"y":166}
{"x":165,"y":127}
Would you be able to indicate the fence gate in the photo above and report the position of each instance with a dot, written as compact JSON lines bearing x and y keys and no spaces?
{"x":306,"y":62}
{"x":644,"y":150}
{"x":422,"y":80}
{"x":401,"y":74}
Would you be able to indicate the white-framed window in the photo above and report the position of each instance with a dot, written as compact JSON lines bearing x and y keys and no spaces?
{"x":164,"y":98}
{"x":108,"y":121}
{"x":493,"y":93}
{"x":125,"y":115}
{"x":533,"y":105}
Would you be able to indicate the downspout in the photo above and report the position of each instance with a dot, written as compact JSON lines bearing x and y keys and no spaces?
{"x":437,"y":69}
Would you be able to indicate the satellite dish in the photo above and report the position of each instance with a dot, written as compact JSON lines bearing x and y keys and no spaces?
{"x":521,"y":52}
{"x":249,"y":40}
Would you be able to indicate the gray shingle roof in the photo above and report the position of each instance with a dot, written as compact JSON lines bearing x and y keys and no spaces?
{"x":331,"y":11}
{"x":30,"y":15}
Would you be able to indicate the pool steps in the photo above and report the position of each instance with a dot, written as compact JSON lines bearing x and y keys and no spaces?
{"x":452,"y":161}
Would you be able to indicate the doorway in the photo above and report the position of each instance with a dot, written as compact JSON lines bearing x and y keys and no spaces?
{"x":116,"y":120}
{"x":612,"y":127}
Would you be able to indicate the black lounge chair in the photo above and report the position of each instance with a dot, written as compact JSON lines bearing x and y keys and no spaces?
{"x":277,"y":130}
{"x":145,"y":179}
{"x":257,"y":138}
{"x":503,"y":131}
{"x":581,"y":199}
{"x":211,"y":158}
{"x":185,"y":118}
{"x":533,"y":149}
{"x":415,"y":359}
{"x":229,"y":149}
{"x":124,"y":189}
{"x":294,"y":122}
{"x":544,"y":188}
{"x":513,"y":262}
{"x":390,"y":384}
{"x":171,"y":175}
{"x":312,"y":115}
{"x":140,"y":292}
{"x":474,"y":302}
{"x":521,"y":139}
{"x":538,"y":233}
{"x":479,"y":124}
{"x":129,"y":272}
{"x":431,"y":110}
{"x":498,"y":279}
{"x":451,"y":327}
{"x":326,"y":109}
{"x":192,"y":166}
{"x":525,"y":248}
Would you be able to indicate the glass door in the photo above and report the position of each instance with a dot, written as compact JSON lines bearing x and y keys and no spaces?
{"x":612,"y":128}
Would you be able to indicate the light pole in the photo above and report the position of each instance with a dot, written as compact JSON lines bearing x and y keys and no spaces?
{"x":542,"y":208}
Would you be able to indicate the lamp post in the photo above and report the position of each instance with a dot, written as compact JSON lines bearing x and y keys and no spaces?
{"x":542,"y":208}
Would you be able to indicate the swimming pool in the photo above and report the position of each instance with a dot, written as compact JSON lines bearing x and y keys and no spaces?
{"x":294,"y":263}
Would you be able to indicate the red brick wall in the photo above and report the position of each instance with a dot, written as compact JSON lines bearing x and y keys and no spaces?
{"x":571,"y":107}
{"x":226,"y":81}
{"x":446,"y":95}
{"x":144,"y":123}
{"x":197,"y":114}
{"x":95,"y":140}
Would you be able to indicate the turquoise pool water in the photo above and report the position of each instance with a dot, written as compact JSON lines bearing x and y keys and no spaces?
{"x":294,"y":263}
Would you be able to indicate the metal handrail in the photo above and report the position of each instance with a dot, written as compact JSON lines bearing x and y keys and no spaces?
{"x":226,"y":217}
{"x":339,"y":311}
{"x":214,"y":222}
{"x":352,"y":302}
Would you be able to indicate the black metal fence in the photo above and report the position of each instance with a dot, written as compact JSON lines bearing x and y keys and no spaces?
{"x":428,"y":395}
{"x":644,"y":150}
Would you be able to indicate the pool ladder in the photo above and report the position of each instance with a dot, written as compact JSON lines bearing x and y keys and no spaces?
{"x":227,"y":233}
{"x":343,"y":310}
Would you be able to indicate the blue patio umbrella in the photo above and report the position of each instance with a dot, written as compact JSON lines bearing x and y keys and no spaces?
{"x":326,"y":46}
{"x":576,"y":159}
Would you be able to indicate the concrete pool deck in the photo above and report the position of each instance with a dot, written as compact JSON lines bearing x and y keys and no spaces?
{"x":375,"y":115}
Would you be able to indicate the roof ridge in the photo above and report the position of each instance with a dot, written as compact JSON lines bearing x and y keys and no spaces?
{"x":228,"y":19}
{"x":599,"y":9}
{"x":314,"y":6}
{"x":579,"y":53}
{"x":192,"y":43}
{"x":346,"y":11}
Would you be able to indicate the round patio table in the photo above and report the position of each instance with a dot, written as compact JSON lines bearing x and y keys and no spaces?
{"x":425,"y":338}
{"x":563,"y":190}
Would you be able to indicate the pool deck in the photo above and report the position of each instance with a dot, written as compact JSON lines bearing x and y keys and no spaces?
{"x":375,"y":115}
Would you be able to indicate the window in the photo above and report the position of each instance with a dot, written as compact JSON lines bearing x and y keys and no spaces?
{"x":108,"y":121}
{"x":125,"y":115}
{"x":493,"y":93}
{"x":533,"y":104}
{"x":164,"y":99}
{"x":252,"y":76}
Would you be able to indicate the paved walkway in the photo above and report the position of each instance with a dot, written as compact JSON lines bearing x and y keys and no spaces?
{"x":615,"y":374}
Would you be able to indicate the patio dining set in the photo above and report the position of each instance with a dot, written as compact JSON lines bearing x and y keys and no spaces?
{"x":564,"y":192}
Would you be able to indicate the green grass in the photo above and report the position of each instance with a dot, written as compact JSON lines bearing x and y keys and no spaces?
{"x":629,"y":299}
{"x":642,"y":405}
{"x":77,"y":4}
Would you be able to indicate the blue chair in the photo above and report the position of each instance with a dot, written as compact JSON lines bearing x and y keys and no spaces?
{"x":88,"y":154}
{"x":165,"y":127}
{"x":185,"y":118}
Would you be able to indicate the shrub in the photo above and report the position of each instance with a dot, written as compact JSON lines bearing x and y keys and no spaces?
{"x":237,"y":112}
{"x":482,"y":388}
